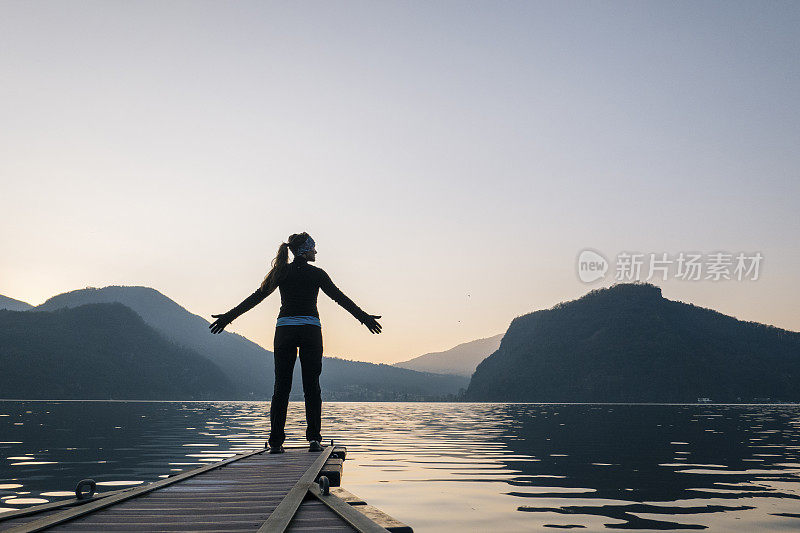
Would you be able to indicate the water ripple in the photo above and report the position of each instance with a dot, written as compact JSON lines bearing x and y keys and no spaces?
{"x":445,"y":467}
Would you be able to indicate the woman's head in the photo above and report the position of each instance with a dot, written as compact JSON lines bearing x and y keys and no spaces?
{"x":301,"y":245}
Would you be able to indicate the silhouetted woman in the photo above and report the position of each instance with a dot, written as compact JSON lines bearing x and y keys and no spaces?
{"x":298,"y":327}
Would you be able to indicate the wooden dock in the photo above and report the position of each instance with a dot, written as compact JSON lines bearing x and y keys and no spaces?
{"x":254,"y":491}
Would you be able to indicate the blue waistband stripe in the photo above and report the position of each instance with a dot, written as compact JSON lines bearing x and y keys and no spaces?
{"x":298,"y":321}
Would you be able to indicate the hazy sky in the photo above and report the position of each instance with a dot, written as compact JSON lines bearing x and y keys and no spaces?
{"x":451,"y":159}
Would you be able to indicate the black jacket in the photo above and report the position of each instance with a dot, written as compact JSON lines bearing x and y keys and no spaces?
{"x":299,"y":289}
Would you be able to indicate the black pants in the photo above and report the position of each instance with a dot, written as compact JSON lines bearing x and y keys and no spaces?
{"x":287,"y":340}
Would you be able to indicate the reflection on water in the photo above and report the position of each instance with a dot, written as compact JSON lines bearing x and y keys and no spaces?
{"x":446,"y":467}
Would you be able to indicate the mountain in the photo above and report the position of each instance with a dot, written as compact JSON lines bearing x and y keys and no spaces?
{"x":249,"y":366}
{"x":99,"y":351}
{"x":245,"y":363}
{"x":13,"y":305}
{"x":359,"y":381}
{"x":627,"y":343}
{"x":460,"y":360}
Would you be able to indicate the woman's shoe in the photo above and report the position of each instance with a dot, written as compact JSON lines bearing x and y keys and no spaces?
{"x":276,"y":449}
{"x":314,"y":446}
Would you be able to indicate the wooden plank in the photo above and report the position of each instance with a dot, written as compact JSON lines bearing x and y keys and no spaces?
{"x":315,"y":514}
{"x":348,"y":512}
{"x":311,"y":528}
{"x":69,"y":514}
{"x":282,"y":515}
{"x":333,"y":471}
{"x":201,"y":507}
{"x":35,"y":509}
{"x":158,"y":526}
{"x":280,"y":490}
{"x":178,"y":498}
{"x":346,"y":496}
{"x":134,"y":519}
{"x":386,"y":521}
{"x":196,"y":511}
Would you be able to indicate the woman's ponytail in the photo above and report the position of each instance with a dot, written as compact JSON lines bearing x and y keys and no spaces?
{"x":278,"y":270}
{"x":281,"y":262}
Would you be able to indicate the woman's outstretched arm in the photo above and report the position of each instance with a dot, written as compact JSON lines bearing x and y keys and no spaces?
{"x":247,"y":304}
{"x":328,"y":287}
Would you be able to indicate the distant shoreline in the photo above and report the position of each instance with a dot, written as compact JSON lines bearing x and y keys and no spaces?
{"x":421,"y":401}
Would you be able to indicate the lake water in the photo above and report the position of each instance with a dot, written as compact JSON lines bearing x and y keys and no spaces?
{"x":449,"y":467}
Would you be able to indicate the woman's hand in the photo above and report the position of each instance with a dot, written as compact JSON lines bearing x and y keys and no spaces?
{"x":219,"y":324}
{"x":372,"y":324}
